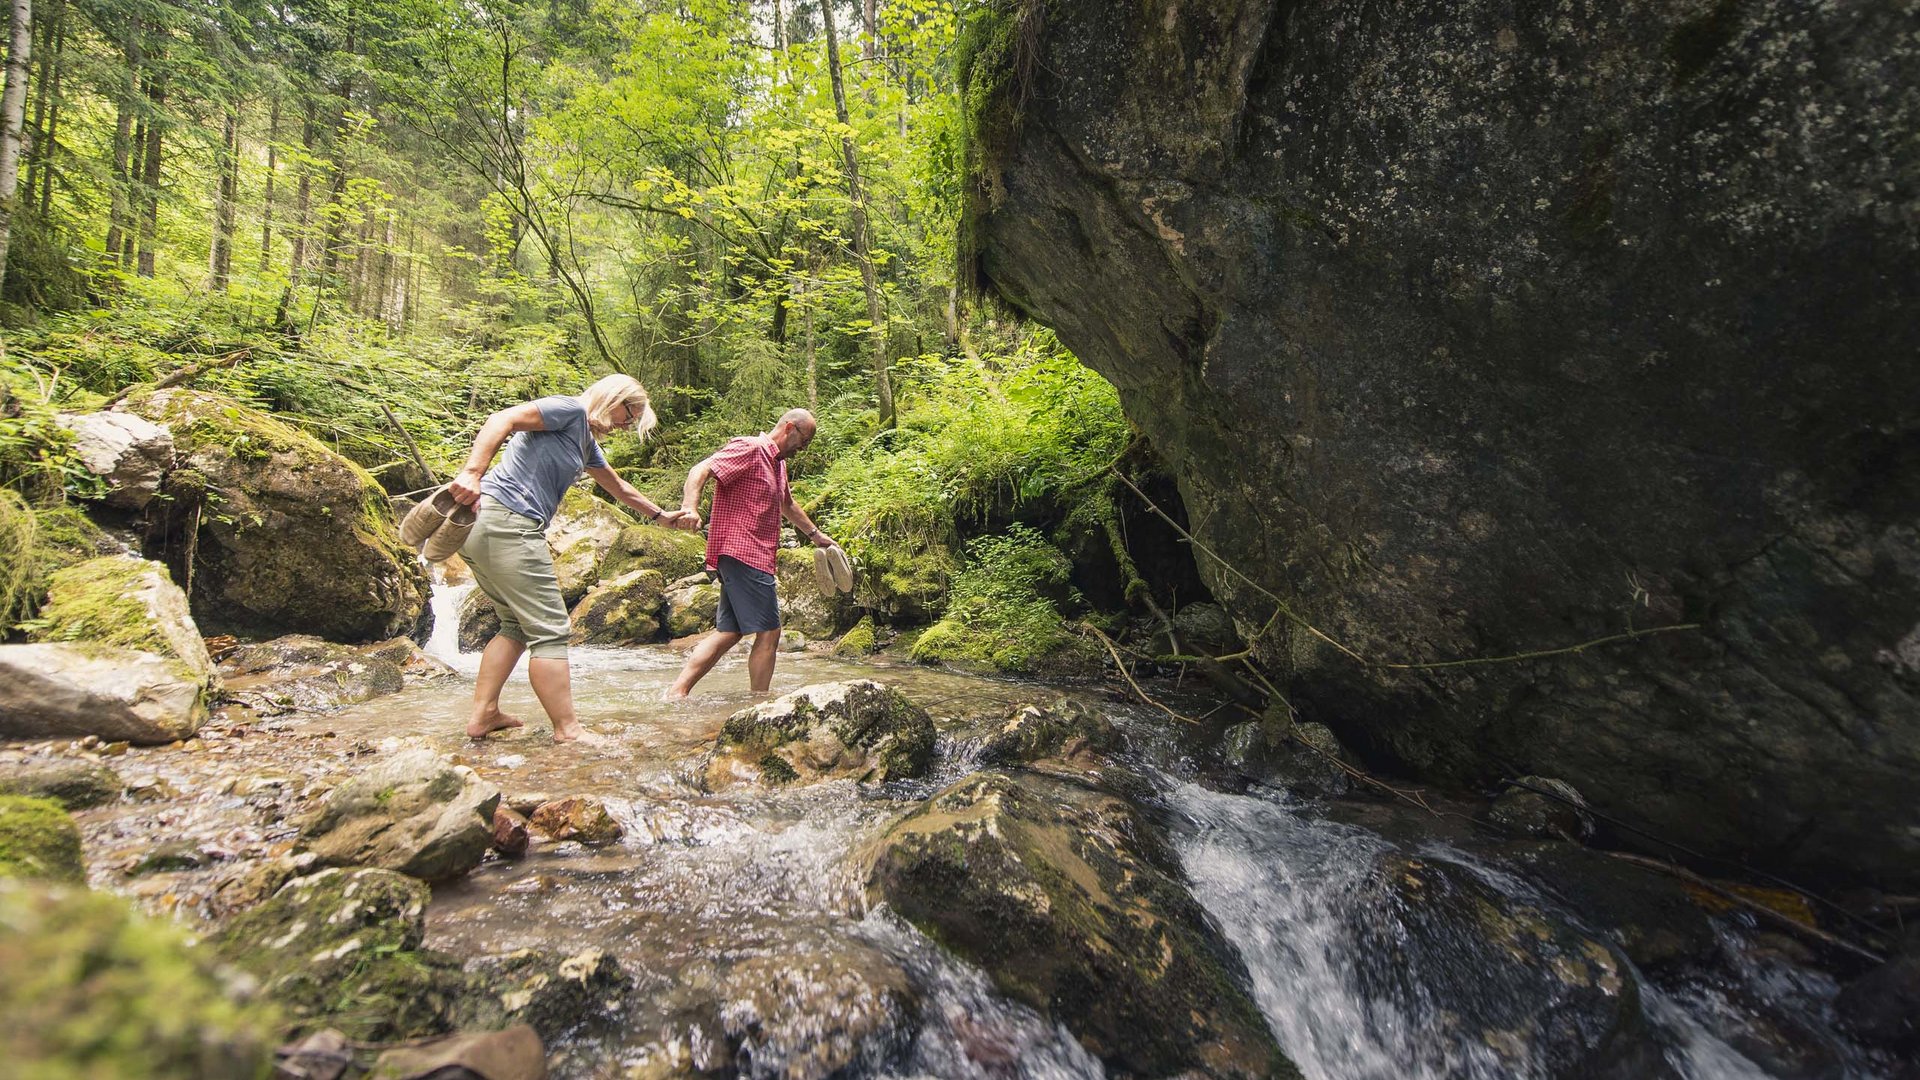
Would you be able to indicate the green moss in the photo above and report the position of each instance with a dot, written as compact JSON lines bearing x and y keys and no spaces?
{"x":776,"y":770}
{"x":96,"y":601}
{"x":39,"y":840}
{"x":859,"y":641}
{"x":91,"y":989}
{"x":18,"y":529}
{"x":674,"y":553}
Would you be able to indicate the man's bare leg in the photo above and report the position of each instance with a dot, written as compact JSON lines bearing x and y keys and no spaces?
{"x":553,"y":685}
{"x":496,"y":663}
{"x":766,"y":647}
{"x":700,"y":661}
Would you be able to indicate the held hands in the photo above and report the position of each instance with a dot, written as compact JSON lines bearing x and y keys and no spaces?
{"x":688,"y":520}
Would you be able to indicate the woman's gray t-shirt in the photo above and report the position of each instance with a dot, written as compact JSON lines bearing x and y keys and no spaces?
{"x":540,"y":465}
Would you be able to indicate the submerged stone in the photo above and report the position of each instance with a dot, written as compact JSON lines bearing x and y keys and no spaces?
{"x":300,"y":671}
{"x":1072,"y":904}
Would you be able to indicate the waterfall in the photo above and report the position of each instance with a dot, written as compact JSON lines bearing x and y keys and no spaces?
{"x":443,"y":644}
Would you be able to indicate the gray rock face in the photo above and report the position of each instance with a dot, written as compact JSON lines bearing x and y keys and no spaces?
{"x":129,"y":452}
{"x":1472,"y":330}
{"x":415,"y":813}
{"x":56,"y":690}
{"x":303,"y":672}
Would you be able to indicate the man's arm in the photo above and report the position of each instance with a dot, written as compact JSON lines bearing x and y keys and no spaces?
{"x":466,"y":484}
{"x":697,"y":478}
{"x":628,"y":495}
{"x":803,"y":523}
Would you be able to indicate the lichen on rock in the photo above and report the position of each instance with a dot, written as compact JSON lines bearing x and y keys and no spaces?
{"x":39,"y":840}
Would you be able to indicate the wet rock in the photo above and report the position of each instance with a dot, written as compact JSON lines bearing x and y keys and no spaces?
{"x":252,"y":882}
{"x":1464,"y":389}
{"x":1651,"y":915}
{"x":1206,"y":629}
{"x":1883,"y":1006}
{"x":1298,"y":757}
{"x":415,"y":813}
{"x":1526,"y":812}
{"x":675,"y":554}
{"x":622,"y":611}
{"x":343,"y":948}
{"x":128,"y":452}
{"x":168,"y":857}
{"x":577,"y":817}
{"x":554,"y":993}
{"x":514,"y":1053}
{"x":816,"y":1011}
{"x":303,"y":672}
{"x":1032,"y":732}
{"x":408,"y":656}
{"x":580,"y":536}
{"x":691,"y":605}
{"x":792,"y":641}
{"x":478,"y":621}
{"x":862,"y":730}
{"x":859,"y":641}
{"x":1513,"y":977}
{"x":68,"y":690}
{"x":73,"y":784}
{"x":510,"y":836}
{"x":39,"y":840}
{"x":1073,"y":904}
{"x":803,"y":607}
{"x":293,"y":538}
{"x":125,"y":601}
{"x":91,"y":988}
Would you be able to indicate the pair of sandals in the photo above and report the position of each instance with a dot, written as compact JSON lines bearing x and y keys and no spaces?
{"x":832,"y":570}
{"x":438,"y":526}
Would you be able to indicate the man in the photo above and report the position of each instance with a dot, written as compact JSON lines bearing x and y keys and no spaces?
{"x":750,"y":495}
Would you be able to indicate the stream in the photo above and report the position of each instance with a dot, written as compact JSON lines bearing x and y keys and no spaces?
{"x":742,"y":906}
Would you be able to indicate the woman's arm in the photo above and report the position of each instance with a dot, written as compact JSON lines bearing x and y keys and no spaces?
{"x":628,"y":495}
{"x":466,"y":484}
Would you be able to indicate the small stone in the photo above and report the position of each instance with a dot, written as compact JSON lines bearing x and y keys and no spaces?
{"x":1527,"y":812}
{"x":510,"y":836}
{"x":580,"y":818}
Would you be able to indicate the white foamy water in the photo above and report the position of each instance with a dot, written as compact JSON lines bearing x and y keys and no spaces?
{"x":443,"y":643}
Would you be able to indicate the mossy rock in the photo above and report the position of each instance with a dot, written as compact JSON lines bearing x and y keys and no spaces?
{"x":622,"y":611}
{"x":673,"y":552}
{"x":862,"y":730}
{"x":859,"y":641}
{"x":75,"y":785}
{"x":691,"y":609}
{"x":1073,"y":904}
{"x":34,"y":544}
{"x":92,"y":989}
{"x":293,"y":538}
{"x":1027,"y":638}
{"x":1033,"y":732}
{"x":39,"y":840}
{"x":126,"y":601}
{"x":581,"y":535}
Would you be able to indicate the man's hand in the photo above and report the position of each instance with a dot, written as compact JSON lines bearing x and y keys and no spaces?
{"x":688,"y":520}
{"x":466,"y":487}
{"x":821,"y":539}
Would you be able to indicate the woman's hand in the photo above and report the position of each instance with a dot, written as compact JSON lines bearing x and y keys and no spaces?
{"x":466,"y":487}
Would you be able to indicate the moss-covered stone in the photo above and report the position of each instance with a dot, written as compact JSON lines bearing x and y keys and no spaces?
{"x":292,"y":537}
{"x":126,"y":601}
{"x":859,"y":641}
{"x":581,"y":535}
{"x":691,"y":608}
{"x":861,"y":730}
{"x":39,"y":840}
{"x":75,"y":785}
{"x":1032,"y":732}
{"x":1072,"y":904}
{"x":36,"y":542}
{"x":1026,"y":638}
{"x":621,"y":611}
{"x":673,"y":552}
{"x":90,"y":989}
{"x":803,"y":606}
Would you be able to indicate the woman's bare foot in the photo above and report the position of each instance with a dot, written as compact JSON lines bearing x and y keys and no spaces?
{"x":485,"y":724}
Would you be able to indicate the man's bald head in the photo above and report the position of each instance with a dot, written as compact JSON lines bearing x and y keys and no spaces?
{"x":794,"y":431}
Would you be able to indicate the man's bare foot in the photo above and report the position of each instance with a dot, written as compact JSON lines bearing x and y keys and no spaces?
{"x":488,"y":723}
{"x":576,"y":734}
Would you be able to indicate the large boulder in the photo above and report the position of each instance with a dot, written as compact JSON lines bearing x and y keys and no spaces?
{"x":691,"y":605}
{"x":92,"y":989}
{"x":303,"y":672}
{"x":622,"y":611}
{"x":415,"y":813}
{"x":39,"y":840}
{"x":479,"y":620}
{"x":1072,"y":903}
{"x":803,"y":606}
{"x":673,"y":552}
{"x":862,"y":730}
{"x":291,"y":537}
{"x":125,"y":601}
{"x":1474,"y":330}
{"x":129,"y":453}
{"x":56,"y":690}
{"x":580,"y":536}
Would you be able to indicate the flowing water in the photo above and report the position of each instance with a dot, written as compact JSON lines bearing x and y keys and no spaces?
{"x":743,"y":911}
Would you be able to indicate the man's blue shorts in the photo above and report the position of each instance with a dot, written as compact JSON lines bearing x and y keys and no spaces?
{"x":748,"y":601}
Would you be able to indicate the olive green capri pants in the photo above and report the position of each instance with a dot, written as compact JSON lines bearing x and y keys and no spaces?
{"x":511,"y":563}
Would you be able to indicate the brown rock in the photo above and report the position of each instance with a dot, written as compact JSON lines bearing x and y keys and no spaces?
{"x":578,"y":817}
{"x":510,"y":835}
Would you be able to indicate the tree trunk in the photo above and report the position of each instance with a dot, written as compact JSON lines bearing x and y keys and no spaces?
{"x":382,"y":291}
{"x":302,"y":201}
{"x":813,"y":363}
{"x":220,"y":257}
{"x":36,"y":132}
{"x":266,"y":197}
{"x":130,"y":227}
{"x":53,"y":110}
{"x":150,"y":174}
{"x":862,"y":249}
{"x":13,"y":110}
{"x":122,"y":151}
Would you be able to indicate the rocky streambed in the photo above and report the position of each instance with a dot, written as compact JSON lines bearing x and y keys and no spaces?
{"x":900,"y":871}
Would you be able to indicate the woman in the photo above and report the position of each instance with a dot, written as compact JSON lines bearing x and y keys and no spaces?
{"x":553,"y":440}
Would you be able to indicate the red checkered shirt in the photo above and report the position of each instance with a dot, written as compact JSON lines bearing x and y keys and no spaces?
{"x":749,"y":487}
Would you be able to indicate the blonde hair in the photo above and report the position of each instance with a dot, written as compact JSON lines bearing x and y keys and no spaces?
{"x":612,"y":392}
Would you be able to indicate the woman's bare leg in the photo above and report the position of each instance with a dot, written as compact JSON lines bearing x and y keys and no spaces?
{"x":496,"y":663}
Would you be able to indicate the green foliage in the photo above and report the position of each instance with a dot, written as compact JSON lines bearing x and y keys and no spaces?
{"x":1000,"y":614}
{"x":91,"y":989}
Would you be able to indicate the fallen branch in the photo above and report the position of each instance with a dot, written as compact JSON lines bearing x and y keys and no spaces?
{"x":185,"y":374}
{"x":1128,"y":675}
{"x":1779,"y":918}
{"x":412,"y":449}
